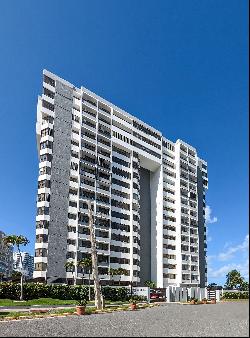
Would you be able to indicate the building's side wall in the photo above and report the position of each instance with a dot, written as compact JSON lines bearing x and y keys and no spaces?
{"x":202,"y":226}
{"x":145,"y":226}
{"x":60,"y":174}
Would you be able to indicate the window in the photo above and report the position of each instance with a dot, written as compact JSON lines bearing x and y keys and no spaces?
{"x":120,"y":226}
{"x":47,"y":105}
{"x":121,"y":183}
{"x":119,"y":249}
{"x":121,"y":152}
{"x":120,"y":193}
{"x":46,"y":132}
{"x":146,"y":130}
{"x":168,"y":145}
{"x":46,"y":157}
{"x":119,"y":237}
{"x":48,"y":80}
{"x":119,"y":260}
{"x":120,"y":215}
{"x":147,"y":140}
{"x":120,"y":161}
{"x":48,"y":93}
{"x":43,"y":211}
{"x":43,"y":184}
{"x":120,"y":204}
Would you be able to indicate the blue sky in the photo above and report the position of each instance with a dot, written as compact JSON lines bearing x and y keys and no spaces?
{"x":179,"y":65}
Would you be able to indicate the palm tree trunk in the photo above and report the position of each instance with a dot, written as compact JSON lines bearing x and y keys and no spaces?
{"x":98,"y":298}
{"x":89,"y":287}
{"x":21,"y":284}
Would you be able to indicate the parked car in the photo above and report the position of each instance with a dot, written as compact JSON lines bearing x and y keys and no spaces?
{"x":156,"y":295}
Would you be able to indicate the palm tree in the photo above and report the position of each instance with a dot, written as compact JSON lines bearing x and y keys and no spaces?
{"x":86,"y":263}
{"x":112,"y":273}
{"x":151,"y":284}
{"x":70,"y":266}
{"x":18,"y":241}
{"x":121,"y":272}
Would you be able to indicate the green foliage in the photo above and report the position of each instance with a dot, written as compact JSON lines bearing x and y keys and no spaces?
{"x":244,"y":286}
{"x":58,"y":291}
{"x":115,"y":294}
{"x":85,"y":263}
{"x":151,"y":284}
{"x":236,"y":295}
{"x":234,"y":280}
{"x":81,"y":295}
{"x":16,"y":240}
{"x":69,"y":266}
{"x":136,"y":298}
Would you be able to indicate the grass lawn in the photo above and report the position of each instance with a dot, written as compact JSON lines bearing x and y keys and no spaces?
{"x":54,"y":312}
{"x":39,"y":301}
{"x":48,"y":301}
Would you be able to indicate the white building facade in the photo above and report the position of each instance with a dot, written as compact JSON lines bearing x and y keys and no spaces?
{"x":6,"y":259}
{"x":26,"y":265}
{"x":148,"y":193}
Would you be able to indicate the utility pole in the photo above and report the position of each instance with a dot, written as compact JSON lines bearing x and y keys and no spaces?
{"x":97,"y":287}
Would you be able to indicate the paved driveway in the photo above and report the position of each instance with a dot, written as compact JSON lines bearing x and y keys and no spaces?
{"x":170,"y":320}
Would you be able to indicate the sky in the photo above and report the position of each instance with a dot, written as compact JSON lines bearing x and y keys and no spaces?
{"x":181,"y":66}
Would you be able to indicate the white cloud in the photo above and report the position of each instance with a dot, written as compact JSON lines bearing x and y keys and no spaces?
{"x":238,"y":255}
{"x":223,"y":270}
{"x":232,"y":250}
{"x":208,"y":218}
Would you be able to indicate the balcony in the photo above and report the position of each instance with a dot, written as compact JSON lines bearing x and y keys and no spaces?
{"x":90,"y":115}
{"x":89,"y":103}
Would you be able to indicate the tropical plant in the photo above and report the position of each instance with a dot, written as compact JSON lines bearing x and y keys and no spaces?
{"x":112,"y":273}
{"x":121,"y":272}
{"x":16,"y":276}
{"x":86,"y":263}
{"x":70,"y":266}
{"x":151,"y":284}
{"x":17,"y":241}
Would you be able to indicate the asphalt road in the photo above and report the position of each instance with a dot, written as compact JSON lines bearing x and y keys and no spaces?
{"x":170,"y":320}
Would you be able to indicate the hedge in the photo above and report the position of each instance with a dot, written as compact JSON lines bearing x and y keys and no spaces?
{"x":235,"y":295}
{"x":11,"y":290}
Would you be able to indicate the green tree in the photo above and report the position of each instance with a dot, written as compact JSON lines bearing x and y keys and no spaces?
{"x":70,"y":266}
{"x":234,"y":280}
{"x":86,"y":263}
{"x":17,"y":241}
{"x":244,"y":286}
{"x":151,"y":284}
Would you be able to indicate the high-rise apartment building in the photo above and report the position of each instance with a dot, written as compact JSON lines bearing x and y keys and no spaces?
{"x":27,"y":264}
{"x":6,"y":259}
{"x":147,"y":192}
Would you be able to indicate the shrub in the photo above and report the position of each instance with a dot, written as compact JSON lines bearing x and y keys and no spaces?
{"x":11,"y":290}
{"x":236,"y":295}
